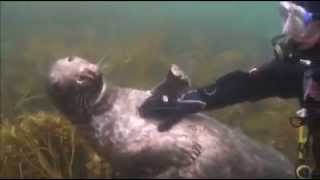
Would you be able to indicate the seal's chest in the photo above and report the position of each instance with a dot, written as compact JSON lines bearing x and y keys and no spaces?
{"x":131,"y":127}
{"x":128,"y":124}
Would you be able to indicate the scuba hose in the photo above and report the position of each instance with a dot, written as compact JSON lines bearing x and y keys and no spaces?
{"x":302,"y":169}
{"x":287,"y":50}
{"x":284,"y":49}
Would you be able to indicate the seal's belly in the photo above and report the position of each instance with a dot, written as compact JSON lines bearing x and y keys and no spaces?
{"x":125,"y":109}
{"x":131,"y":129}
{"x":187,"y":149}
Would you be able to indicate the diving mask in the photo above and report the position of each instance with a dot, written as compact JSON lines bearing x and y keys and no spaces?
{"x":299,"y":24}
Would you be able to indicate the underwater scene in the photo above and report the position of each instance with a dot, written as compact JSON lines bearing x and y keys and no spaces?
{"x":134,"y":44}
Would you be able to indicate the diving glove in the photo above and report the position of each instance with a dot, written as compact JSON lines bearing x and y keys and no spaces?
{"x":172,"y":97}
{"x":164,"y":105}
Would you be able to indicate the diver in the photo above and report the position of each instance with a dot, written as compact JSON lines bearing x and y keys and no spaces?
{"x":294,"y":71}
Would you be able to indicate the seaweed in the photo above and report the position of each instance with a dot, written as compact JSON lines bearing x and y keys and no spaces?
{"x":45,"y":145}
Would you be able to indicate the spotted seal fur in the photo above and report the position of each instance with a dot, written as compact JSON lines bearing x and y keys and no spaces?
{"x":196,"y":146}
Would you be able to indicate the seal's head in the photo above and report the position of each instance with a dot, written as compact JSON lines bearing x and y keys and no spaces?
{"x":75,"y":86}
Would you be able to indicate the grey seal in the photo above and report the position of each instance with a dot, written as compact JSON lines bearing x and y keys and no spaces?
{"x":196,"y":146}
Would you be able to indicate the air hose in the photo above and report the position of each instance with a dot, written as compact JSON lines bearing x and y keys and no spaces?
{"x":302,"y":169}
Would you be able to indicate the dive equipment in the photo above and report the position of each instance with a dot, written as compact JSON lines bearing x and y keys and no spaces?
{"x":302,"y":170}
{"x":284,"y":49}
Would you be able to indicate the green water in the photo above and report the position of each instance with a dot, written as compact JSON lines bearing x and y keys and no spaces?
{"x":139,"y":41}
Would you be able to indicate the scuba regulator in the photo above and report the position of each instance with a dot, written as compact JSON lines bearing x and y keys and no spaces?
{"x":285,"y":49}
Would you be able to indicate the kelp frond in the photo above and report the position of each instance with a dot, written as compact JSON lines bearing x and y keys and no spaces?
{"x":43,"y":145}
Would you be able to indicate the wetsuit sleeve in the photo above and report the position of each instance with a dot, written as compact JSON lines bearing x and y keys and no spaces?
{"x":273,"y":79}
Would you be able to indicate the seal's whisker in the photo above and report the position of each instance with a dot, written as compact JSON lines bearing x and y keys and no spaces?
{"x":83,"y":100}
{"x":82,"y":104}
{"x":77,"y":97}
{"x":86,"y":105}
{"x":102,"y":59}
{"x":77,"y":100}
{"x":106,"y":66}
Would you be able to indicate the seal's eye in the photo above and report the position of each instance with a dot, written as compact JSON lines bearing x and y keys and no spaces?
{"x":70,"y":58}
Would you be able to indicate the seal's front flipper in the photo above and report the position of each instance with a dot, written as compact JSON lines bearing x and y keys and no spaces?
{"x":166,"y":98}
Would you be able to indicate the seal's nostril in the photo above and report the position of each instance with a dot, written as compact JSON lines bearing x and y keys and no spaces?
{"x":82,"y":77}
{"x":94,"y":69}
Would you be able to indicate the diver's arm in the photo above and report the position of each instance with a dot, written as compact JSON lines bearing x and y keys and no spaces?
{"x":274,"y":79}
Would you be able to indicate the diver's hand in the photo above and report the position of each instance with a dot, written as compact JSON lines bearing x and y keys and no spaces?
{"x":163,"y":105}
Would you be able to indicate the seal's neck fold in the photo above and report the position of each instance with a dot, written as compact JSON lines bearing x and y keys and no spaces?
{"x":101,"y":94}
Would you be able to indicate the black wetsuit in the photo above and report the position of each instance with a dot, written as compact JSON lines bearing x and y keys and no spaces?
{"x":273,"y":79}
